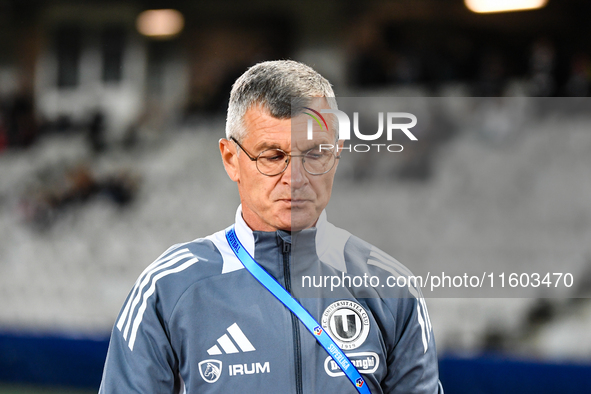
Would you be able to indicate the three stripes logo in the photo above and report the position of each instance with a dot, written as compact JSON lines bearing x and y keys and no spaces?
{"x":228,"y":346}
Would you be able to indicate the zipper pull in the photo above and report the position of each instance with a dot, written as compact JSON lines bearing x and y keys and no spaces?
{"x":286,"y":247}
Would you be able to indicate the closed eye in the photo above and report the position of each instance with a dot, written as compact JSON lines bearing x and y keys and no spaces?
{"x":273,"y":155}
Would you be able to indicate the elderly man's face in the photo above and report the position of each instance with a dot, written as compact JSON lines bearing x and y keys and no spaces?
{"x":292,"y":200}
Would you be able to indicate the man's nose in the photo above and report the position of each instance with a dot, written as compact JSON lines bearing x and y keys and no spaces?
{"x":295,"y":172}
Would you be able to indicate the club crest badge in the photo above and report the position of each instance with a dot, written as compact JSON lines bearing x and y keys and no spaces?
{"x":347,"y":323}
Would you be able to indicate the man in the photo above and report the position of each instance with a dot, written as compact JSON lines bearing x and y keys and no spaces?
{"x":197,"y":321}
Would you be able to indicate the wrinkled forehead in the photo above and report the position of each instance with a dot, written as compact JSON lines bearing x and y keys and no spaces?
{"x":307,"y":127}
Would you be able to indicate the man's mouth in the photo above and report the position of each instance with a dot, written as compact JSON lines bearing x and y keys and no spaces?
{"x":294,"y":201}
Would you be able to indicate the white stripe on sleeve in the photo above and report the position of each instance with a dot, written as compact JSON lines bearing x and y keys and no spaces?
{"x":149,"y":292}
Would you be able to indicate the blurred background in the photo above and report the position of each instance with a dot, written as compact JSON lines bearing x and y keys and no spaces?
{"x":110,"y":113}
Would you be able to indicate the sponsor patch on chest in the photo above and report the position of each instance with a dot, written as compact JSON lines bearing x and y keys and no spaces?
{"x":365,"y":362}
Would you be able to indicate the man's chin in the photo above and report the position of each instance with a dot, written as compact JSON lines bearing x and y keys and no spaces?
{"x":296,"y":220}
{"x":301,"y":220}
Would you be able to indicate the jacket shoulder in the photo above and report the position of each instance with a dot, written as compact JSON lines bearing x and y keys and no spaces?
{"x":183,"y":265}
{"x":395,"y":279}
{"x":362,"y":251}
{"x":197,"y":259}
{"x":164,"y":281}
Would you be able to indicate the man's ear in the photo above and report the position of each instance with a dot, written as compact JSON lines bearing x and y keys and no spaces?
{"x":230,"y":159}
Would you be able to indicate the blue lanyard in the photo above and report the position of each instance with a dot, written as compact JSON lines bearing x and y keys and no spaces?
{"x":297,"y":309}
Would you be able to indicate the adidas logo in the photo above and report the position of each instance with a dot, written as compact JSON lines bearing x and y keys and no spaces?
{"x":227,"y":344}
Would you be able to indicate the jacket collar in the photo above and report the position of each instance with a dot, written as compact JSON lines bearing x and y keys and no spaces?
{"x":243,"y":232}
{"x":329,"y":240}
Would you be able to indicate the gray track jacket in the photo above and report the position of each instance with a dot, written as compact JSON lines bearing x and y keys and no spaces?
{"x":196,"y":321}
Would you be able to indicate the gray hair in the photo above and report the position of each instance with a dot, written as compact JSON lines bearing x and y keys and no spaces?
{"x":283,"y":87}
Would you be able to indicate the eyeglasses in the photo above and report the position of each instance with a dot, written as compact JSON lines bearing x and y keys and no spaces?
{"x":271,"y":162}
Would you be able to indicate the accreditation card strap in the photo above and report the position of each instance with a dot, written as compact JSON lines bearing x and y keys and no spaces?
{"x":297,"y":309}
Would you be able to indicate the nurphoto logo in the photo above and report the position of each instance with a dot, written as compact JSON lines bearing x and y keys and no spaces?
{"x":344,"y":129}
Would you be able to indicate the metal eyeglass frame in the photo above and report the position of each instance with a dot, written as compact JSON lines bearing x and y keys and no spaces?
{"x":288,"y":155}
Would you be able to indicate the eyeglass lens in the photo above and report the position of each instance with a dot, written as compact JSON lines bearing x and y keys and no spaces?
{"x":275,"y":161}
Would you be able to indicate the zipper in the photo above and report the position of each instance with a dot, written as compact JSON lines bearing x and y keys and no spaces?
{"x":294,"y":321}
